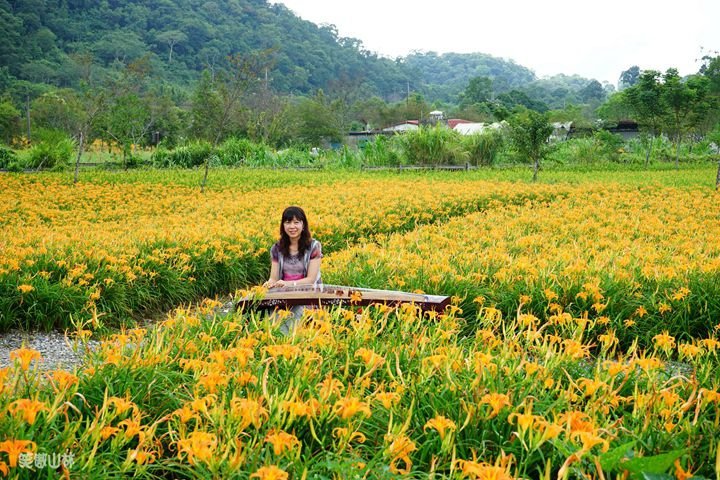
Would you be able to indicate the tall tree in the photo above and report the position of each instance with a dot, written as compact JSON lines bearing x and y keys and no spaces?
{"x":629,"y":77}
{"x":645,"y":101}
{"x":615,"y":108}
{"x":479,"y":90}
{"x":129,"y":116}
{"x":171,"y":38}
{"x":711,"y":70}
{"x":593,"y":91}
{"x":217,"y":101}
{"x":317,"y":121}
{"x":529,"y":132}
{"x":686,"y":103}
{"x":94,"y":101}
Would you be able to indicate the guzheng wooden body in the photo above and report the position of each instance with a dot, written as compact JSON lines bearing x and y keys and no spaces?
{"x":328,"y":295}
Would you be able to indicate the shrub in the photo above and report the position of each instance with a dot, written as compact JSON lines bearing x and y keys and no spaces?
{"x":187,"y":156}
{"x":241,"y":151}
{"x":294,"y":157}
{"x":379,"y":152}
{"x":344,"y":157}
{"x":583,"y":151}
{"x":53,"y":149}
{"x":603,"y":146}
{"x":160,"y":157}
{"x":432,"y":146}
{"x":483,"y":148}
{"x":7,"y":156}
{"x":609,"y":145}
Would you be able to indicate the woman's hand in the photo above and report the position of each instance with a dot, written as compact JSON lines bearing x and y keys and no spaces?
{"x":274,"y":284}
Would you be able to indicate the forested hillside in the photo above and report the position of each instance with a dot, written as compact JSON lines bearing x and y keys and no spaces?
{"x":444,"y":76}
{"x":51,"y":39}
{"x":60,"y":43}
{"x":139,"y":73}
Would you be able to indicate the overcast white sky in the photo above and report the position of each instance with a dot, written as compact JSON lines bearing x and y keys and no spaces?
{"x":596,"y":39}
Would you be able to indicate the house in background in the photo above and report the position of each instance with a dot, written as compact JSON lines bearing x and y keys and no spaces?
{"x":471,"y":128}
{"x":628,"y":129}
{"x":436,"y":117}
{"x":561,"y":131}
{"x":403,"y":127}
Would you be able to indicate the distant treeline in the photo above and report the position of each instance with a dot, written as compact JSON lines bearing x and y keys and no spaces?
{"x":49,"y":45}
{"x":173,"y":73}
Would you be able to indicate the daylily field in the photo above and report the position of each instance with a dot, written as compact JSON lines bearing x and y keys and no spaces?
{"x":582,"y":342}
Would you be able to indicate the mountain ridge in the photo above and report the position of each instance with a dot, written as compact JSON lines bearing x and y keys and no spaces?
{"x":48,"y":39}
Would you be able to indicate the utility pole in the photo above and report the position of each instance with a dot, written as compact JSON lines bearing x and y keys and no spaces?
{"x":407,"y":103}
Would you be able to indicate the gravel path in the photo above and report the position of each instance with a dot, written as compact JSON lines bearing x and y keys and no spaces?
{"x":56,"y":349}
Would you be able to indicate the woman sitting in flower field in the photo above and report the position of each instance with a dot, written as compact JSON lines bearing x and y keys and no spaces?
{"x":295,"y":257}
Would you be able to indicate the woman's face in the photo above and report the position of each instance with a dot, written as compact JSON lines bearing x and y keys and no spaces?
{"x":293,"y":228}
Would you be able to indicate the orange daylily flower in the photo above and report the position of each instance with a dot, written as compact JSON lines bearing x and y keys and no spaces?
{"x":497,"y":402}
{"x":249,"y":411}
{"x":351,"y":406}
{"x":282,"y":441}
{"x":399,"y":449}
{"x":199,"y":447}
{"x":122,"y":405}
{"x":664,"y":341}
{"x":25,"y":355}
{"x":28,"y":408}
{"x":15,"y":447}
{"x":441,"y":424}
{"x":271,"y":472}
{"x":345,"y":433}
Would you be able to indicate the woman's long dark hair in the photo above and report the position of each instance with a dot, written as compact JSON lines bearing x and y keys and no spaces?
{"x":305,"y":241}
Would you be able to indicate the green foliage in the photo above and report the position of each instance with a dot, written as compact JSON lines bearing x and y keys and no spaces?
{"x":379,"y":152}
{"x":193,"y":154}
{"x":529,"y":133}
{"x":241,"y":151}
{"x":206,"y":111}
{"x":515,"y":98}
{"x":479,"y":90}
{"x":7,"y":156}
{"x":9,"y":120}
{"x":58,"y":110}
{"x":629,"y":77}
{"x":294,"y":157}
{"x":484,"y":148}
{"x":317,"y":121}
{"x":615,"y":108}
{"x":183,"y":38}
{"x":559,"y":90}
{"x":610,"y":145}
{"x":602,"y":147}
{"x":645,"y":101}
{"x":443,"y":76}
{"x":579,"y":151}
{"x":593,"y":91}
{"x":432,"y":146}
{"x":52,"y":150}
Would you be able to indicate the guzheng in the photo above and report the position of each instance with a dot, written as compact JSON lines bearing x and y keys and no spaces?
{"x":328,"y":295}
